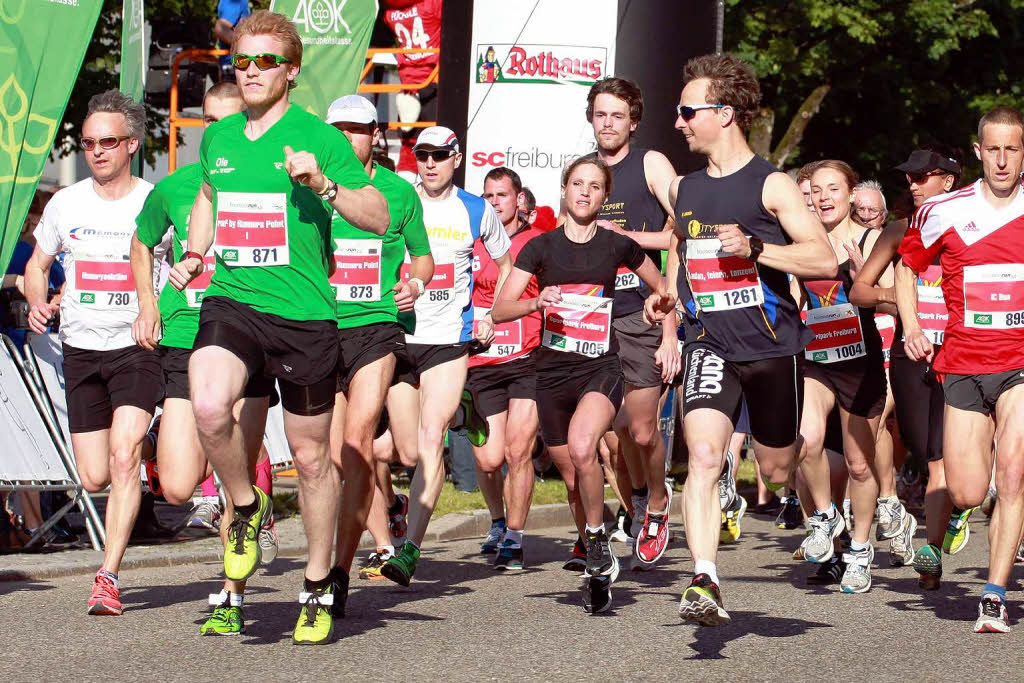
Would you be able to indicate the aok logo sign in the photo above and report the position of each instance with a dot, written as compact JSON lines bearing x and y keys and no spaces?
{"x":320,"y":16}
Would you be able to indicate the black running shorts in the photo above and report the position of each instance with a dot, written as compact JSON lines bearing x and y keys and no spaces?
{"x":301,"y":354}
{"x":175,"y":366}
{"x":416,"y":359}
{"x":96,"y":383}
{"x":919,"y":406}
{"x":979,"y":393}
{"x":493,"y":386}
{"x":559,"y":392}
{"x":858,"y":385}
{"x":773,"y":389}
{"x":361,"y":346}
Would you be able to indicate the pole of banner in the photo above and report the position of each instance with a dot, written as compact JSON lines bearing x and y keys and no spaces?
{"x":720,"y":22}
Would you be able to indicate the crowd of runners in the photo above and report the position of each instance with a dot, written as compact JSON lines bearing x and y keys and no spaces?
{"x":379,"y":313}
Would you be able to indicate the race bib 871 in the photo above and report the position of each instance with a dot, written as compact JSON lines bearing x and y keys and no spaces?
{"x":252,"y":229}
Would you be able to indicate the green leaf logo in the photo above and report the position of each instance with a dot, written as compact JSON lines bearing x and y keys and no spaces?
{"x":819,"y":356}
{"x":982,"y":318}
{"x":230,"y":255}
{"x":87,"y":298}
{"x":706,"y":301}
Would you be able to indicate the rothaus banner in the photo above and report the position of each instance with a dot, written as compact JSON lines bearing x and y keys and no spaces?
{"x":41,"y":51}
{"x":335,"y":34}
{"x":528,"y":84}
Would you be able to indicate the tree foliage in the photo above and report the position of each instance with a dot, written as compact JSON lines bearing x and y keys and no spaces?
{"x":868,"y":80}
{"x":100,"y":68}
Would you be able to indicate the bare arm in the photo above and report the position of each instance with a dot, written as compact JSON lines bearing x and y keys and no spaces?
{"x":877,"y":270}
{"x":146,"y":328}
{"x":504,"y":263}
{"x":37,"y":274}
{"x":916,"y":344}
{"x":15,"y":282}
{"x":224,"y":31}
{"x":364,"y":208}
{"x":810,"y":254}
{"x":200,"y":238}
{"x":507,"y":305}
{"x":857,"y":260}
{"x":661,"y":179}
{"x":421,"y":268}
{"x":655,"y":306}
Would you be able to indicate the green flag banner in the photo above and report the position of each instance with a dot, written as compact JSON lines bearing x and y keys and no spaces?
{"x":41,"y":51}
{"x":133,"y":50}
{"x":133,"y":61}
{"x":335,"y":34}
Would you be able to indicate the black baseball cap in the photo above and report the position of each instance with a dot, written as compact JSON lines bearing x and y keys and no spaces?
{"x":924,"y":161}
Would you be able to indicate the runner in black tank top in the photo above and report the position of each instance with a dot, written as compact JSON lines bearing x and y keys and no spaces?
{"x":919,"y":399}
{"x":637,"y":207}
{"x":846,"y":368}
{"x":741,"y":226}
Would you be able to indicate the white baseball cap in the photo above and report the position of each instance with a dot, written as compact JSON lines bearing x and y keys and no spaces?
{"x":351,"y":109}
{"x":437,"y":137}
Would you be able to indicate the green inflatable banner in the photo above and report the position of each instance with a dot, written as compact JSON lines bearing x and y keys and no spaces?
{"x":335,"y":34}
{"x":41,"y":51}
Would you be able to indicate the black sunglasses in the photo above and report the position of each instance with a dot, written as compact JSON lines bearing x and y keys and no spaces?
{"x":918,"y":178}
{"x":109,"y":142}
{"x":264,"y":61}
{"x":435,"y":154}
{"x":686,"y":111}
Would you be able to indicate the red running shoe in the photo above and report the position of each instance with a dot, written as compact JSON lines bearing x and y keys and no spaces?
{"x":106,"y":598}
{"x":653,"y":538}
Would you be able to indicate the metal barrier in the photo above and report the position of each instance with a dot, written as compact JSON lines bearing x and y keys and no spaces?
{"x":32,"y":455}
{"x":213,"y":56}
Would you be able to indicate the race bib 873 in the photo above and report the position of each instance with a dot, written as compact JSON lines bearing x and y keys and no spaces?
{"x":356,"y":270}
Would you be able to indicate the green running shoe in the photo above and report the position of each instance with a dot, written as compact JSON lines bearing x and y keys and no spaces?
{"x":475,"y":423}
{"x":316,"y":623}
{"x":928,"y":564}
{"x":958,"y":532}
{"x":242,"y":551}
{"x":225,"y":621}
{"x":402,"y":566}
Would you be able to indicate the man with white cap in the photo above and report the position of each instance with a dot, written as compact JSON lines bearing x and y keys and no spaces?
{"x":431,"y":374}
{"x":370,"y":295}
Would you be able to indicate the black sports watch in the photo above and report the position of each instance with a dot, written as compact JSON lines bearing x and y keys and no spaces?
{"x":756,"y":247}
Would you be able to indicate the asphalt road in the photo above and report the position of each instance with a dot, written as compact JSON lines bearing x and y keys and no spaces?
{"x":460,"y":621}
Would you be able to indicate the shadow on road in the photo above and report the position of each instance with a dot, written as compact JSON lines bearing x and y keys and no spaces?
{"x":708,"y":642}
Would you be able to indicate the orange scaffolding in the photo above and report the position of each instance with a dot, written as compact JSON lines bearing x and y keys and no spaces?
{"x":196,"y":55}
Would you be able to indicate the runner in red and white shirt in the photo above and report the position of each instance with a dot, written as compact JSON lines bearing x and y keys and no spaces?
{"x":503,"y":382}
{"x":112,"y":385}
{"x":976,"y":235}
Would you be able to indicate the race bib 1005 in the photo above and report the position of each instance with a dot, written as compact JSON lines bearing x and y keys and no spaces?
{"x":252,"y":229}
{"x":837,"y":334}
{"x":578,"y":324}
{"x":356,"y":270}
{"x":994,"y":296}
{"x":721,"y":281}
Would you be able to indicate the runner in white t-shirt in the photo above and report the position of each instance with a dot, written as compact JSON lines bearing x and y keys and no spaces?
{"x":112,"y":385}
{"x":431,"y":373}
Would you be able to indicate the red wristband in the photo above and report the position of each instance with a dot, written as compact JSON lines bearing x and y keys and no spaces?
{"x":191,"y":254}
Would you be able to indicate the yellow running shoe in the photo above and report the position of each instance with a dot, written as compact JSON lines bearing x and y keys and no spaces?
{"x":242,"y":550}
{"x":316,"y":623}
{"x":731,"y":520}
{"x":958,"y":532}
{"x":376,"y":560}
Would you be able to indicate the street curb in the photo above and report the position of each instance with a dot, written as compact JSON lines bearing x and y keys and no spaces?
{"x":452,"y":527}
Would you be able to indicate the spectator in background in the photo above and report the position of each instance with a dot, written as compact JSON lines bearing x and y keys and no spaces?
{"x":803,"y":180}
{"x":869,"y":205}
{"x":229,"y":13}
{"x":416,"y":24}
{"x":528,"y":207}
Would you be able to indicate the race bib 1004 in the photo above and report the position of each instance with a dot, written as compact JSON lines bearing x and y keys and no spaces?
{"x":508,"y":337}
{"x":356,"y":270}
{"x":994,"y":296}
{"x":578,"y":324}
{"x":252,"y":229}
{"x":721,"y":281}
{"x":837,"y":334}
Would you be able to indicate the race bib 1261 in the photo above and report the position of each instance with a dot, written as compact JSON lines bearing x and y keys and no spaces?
{"x":721,"y":281}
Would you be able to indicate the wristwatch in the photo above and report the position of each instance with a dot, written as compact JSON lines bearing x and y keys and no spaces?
{"x":331,"y":192}
{"x":756,"y":247}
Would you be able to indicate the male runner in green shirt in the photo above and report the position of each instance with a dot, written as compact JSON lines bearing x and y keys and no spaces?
{"x":271,"y":176}
{"x":370,"y":294}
